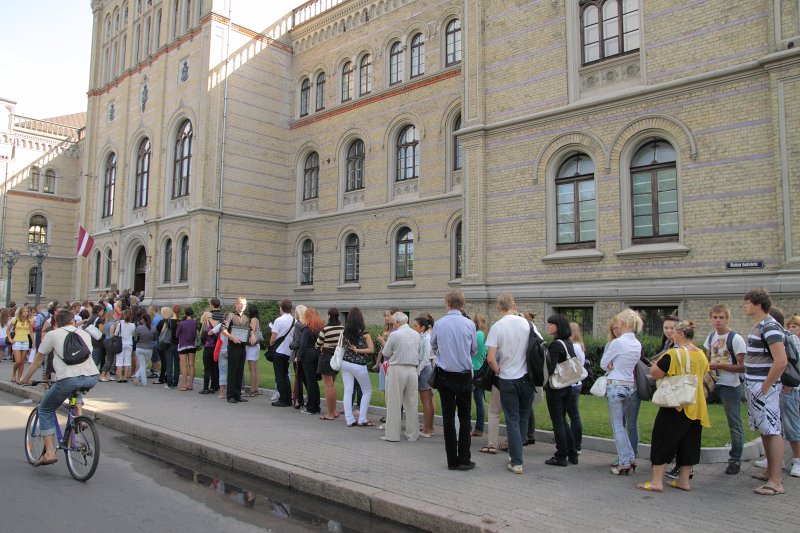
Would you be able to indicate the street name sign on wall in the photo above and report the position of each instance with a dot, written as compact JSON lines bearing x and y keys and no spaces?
{"x":736,"y":265}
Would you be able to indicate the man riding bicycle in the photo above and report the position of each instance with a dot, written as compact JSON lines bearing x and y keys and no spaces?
{"x":69,"y":378}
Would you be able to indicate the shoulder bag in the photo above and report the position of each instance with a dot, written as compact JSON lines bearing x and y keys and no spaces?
{"x":599,"y":387}
{"x":677,"y":390}
{"x":338,"y":354}
{"x":568,"y":372}
{"x":644,"y":383}
{"x":113,"y":344}
{"x":273,"y":349}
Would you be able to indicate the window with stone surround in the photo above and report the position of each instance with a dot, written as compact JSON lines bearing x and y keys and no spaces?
{"x":407,"y":154}
{"x":457,"y":252}
{"x":183,"y":158}
{"x":109,"y":265}
{"x":576,"y":208}
{"x":168,"y":261}
{"x":355,"y":166}
{"x":417,"y":55}
{"x":305,"y":93}
{"x":320,"y":96}
{"x":583,"y":316}
{"x":307,"y":263}
{"x":404,"y":255}
{"x":457,"y":150}
{"x":395,"y":63}
{"x":33,"y":280}
{"x":142,"y":181}
{"x":609,"y":28}
{"x":49,"y":186}
{"x":352,"y":252}
{"x":653,"y":317}
{"x":311,"y":177}
{"x":453,"y":42}
{"x":37,"y":230}
{"x":109,"y":185}
{"x":365,"y":75}
{"x":654,"y":193}
{"x":183,"y":270}
{"x":97,"y":267}
{"x":33,"y":178}
{"x":347,"y":81}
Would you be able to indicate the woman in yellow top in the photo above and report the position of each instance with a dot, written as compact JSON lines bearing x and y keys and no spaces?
{"x":677,"y":430}
{"x":22,"y":327}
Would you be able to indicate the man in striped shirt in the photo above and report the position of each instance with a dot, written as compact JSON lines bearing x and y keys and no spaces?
{"x":763,"y":366}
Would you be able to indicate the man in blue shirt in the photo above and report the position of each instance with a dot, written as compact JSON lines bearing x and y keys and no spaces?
{"x":454,"y":341}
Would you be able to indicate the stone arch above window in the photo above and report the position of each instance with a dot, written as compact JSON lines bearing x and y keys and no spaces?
{"x":679,"y":135}
{"x":37,"y":230}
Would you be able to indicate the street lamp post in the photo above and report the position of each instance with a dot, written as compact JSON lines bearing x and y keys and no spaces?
{"x":9,"y":258}
{"x":38,"y":251}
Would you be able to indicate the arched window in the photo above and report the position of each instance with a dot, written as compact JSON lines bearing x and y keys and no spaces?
{"x":320,"y":91}
{"x":109,"y":262}
{"x":122,"y":51}
{"x":654,"y":188}
{"x":365,"y":75}
{"x":137,"y":44}
{"x":407,"y":154}
{"x":453,"y":42}
{"x":187,"y":19}
{"x":168,"y":261}
{"x":305,"y":92}
{"x":142,"y":182}
{"x":157,"y":33}
{"x":458,"y":253}
{"x":404,"y":255}
{"x":37,"y":230}
{"x":183,"y":156}
{"x":148,"y":41}
{"x":311,"y":177}
{"x":352,"y":251}
{"x":97,"y":269}
{"x":396,"y":63}
{"x":183,"y":271}
{"x":609,"y":28}
{"x":109,"y":185}
{"x":347,"y":81}
{"x":576,"y":210}
{"x":307,"y":263}
{"x":417,"y":55}
{"x":457,"y":152}
{"x":355,"y":166}
{"x":176,"y":13}
{"x":49,"y":181}
{"x":33,"y":280}
{"x":33,"y":178}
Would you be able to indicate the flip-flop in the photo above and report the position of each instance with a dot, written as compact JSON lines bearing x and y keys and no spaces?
{"x":488,"y":449}
{"x":367,"y":425}
{"x":325,"y":417}
{"x":648,"y":487}
{"x":674,"y":484}
{"x":761,"y":476}
{"x":766,"y":490}
{"x":503,"y":447}
{"x":45,"y":462}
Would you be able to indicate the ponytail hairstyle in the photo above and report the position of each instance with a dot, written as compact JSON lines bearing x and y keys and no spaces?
{"x":630,"y":319}
{"x":425,"y":320}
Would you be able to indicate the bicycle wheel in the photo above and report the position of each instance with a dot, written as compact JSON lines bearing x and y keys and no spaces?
{"x":82,"y":447}
{"x":34,"y":442}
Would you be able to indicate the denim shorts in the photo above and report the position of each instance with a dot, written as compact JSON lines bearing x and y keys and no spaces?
{"x":21,"y":346}
{"x":424,"y":376}
{"x":790,"y":415}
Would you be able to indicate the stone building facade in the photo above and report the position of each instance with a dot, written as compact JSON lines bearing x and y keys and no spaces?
{"x":585,"y":155}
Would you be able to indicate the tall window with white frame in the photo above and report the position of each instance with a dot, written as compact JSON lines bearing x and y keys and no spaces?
{"x":97,"y":266}
{"x":457,"y":151}
{"x":576,"y":210}
{"x":458,"y":252}
{"x":311,"y":177}
{"x":417,"y":55}
{"x":352,"y":252}
{"x":305,"y":93}
{"x":49,"y":186}
{"x":347,"y":81}
{"x":307,"y":263}
{"x":453,"y":42}
{"x":654,"y":191}
{"x":33,"y":178}
{"x":365,"y":75}
{"x":320,"y":91}
{"x":355,"y":166}
{"x":395,"y":63}
{"x":183,"y":159}
{"x":407,"y":154}
{"x":37,"y":230}
{"x":109,"y":263}
{"x":109,"y":185}
{"x":168,"y":261}
{"x":142,"y":181}
{"x":33,"y":280}
{"x":183,"y":270}
{"x":609,"y":28}
{"x":404,"y":255}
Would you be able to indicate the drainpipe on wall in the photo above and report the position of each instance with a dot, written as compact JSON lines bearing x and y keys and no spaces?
{"x":222,"y":158}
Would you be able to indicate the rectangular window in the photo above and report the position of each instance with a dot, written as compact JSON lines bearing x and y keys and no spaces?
{"x":584,"y":316}
{"x":576,"y":212}
{"x":653,"y":317}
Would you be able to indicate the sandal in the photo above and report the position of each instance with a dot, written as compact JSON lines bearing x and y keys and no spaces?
{"x":766,"y":490}
{"x":44,"y":462}
{"x":761,"y":476}
{"x":648,"y":487}
{"x":367,"y":424}
{"x":674,"y":484}
{"x":488,"y":449}
{"x":182,"y":389}
{"x":503,"y":447}
{"x":325,"y":417}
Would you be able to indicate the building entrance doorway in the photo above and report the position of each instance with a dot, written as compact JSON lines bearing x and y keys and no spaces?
{"x":140,"y":271}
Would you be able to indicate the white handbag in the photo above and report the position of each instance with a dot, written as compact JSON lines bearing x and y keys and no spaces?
{"x":567,"y":373}
{"x":599,"y":387}
{"x":677,"y":390}
{"x":338,"y":354}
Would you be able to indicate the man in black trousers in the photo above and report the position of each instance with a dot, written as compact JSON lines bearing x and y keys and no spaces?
{"x":236,"y":348}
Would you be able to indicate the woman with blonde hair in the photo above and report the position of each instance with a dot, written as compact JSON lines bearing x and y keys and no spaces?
{"x":619,"y":360}
{"x":19,"y":333}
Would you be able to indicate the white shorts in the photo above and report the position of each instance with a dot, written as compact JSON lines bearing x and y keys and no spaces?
{"x":252,"y":352}
{"x":764,"y":412}
{"x":21,"y":346}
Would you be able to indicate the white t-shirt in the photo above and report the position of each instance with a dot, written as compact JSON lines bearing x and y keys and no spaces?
{"x":510,"y":336}
{"x":281,"y":325}
{"x":126,"y":331}
{"x":54,"y":342}
{"x":718,"y":353}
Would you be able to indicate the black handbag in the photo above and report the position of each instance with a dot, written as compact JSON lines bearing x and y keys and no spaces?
{"x":273,"y":348}
{"x":113,"y":345}
{"x":484,"y":377}
{"x":432,"y":379}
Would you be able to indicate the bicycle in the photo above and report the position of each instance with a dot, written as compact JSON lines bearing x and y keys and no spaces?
{"x":79,"y":440}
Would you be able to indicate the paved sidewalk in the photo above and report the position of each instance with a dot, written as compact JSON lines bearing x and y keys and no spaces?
{"x":409,"y":481}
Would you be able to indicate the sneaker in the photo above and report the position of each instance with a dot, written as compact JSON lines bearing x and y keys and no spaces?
{"x":674,"y":473}
{"x":795,"y":471}
{"x":276,"y":396}
{"x":733,"y":468}
{"x":761,"y":463}
{"x":514,"y":469}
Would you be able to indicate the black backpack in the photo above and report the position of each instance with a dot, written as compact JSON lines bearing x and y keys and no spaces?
{"x":538,"y":359}
{"x":75,"y":350}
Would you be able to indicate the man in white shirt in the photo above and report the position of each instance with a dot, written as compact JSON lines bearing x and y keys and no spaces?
{"x":402,"y":352}
{"x":281,"y":330}
{"x":508,"y":342}
{"x":727,"y":367}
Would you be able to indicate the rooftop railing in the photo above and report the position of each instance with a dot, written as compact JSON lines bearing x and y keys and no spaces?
{"x":311,"y":9}
{"x":47,"y":128}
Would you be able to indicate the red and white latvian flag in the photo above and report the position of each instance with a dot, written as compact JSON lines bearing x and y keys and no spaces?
{"x":85,"y":242}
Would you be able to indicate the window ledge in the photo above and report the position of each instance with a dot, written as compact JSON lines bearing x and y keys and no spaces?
{"x":349,"y":286}
{"x":181,"y":285}
{"x":304,"y":288}
{"x":454,"y":281}
{"x":581,"y":255}
{"x":660,"y":249}
{"x":402,"y":284}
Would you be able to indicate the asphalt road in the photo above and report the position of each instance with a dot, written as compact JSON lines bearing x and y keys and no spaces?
{"x":140,"y":488}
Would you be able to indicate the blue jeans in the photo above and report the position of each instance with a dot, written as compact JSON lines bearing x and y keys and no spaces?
{"x":790,"y":415}
{"x":632,"y":421}
{"x":516,"y":398}
{"x":731,"y":398}
{"x":619,"y":399}
{"x":173,"y":370}
{"x":557,"y":401}
{"x":480,"y":407}
{"x":56,"y":394}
